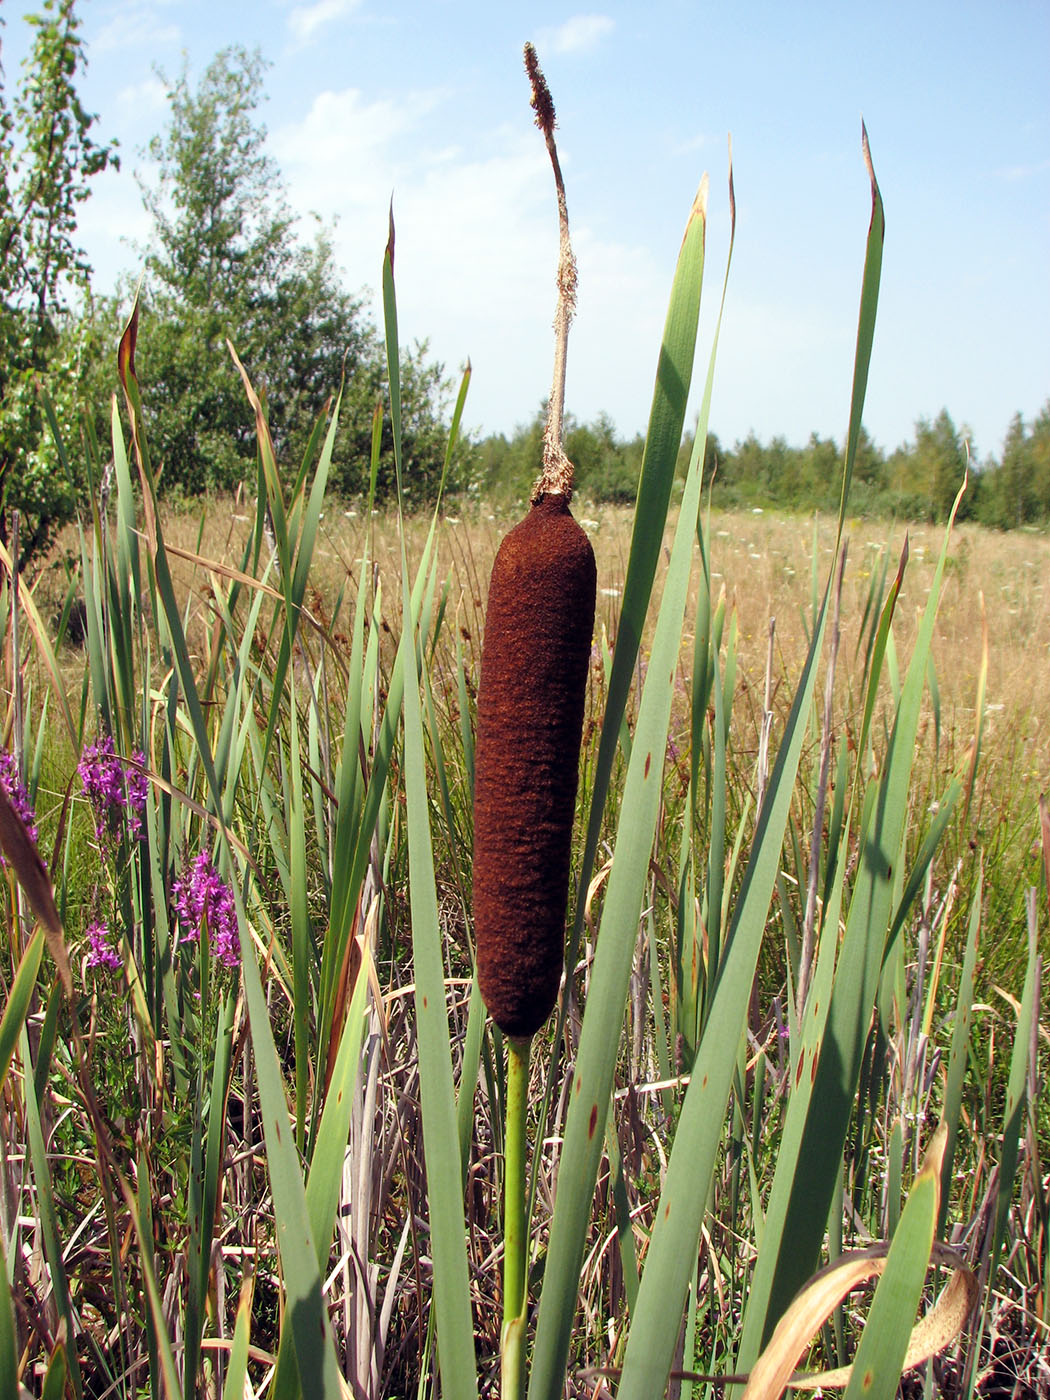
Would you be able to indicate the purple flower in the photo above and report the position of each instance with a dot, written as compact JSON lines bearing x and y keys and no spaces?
{"x":204,"y":899}
{"x":137,"y":785}
{"x":113,"y":787}
{"x":17,"y":795}
{"x":102,"y":953}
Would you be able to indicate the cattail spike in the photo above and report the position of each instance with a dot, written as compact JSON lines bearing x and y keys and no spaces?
{"x":534,"y":661}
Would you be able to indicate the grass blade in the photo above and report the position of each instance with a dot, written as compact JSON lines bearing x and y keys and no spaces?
{"x":663,"y":438}
{"x":960,"y":1048}
{"x":1016,"y":1092}
{"x":8,"y":1342}
{"x":455,"y":1328}
{"x":603,"y":1018}
{"x":884,"y":1342}
{"x":869,"y":301}
{"x":306,"y":1311}
{"x":16,"y":1008}
{"x":671,"y":1257}
{"x":237,"y":1370}
{"x":48,"y":1215}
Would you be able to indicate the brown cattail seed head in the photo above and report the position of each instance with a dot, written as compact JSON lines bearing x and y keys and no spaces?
{"x":534,"y":662}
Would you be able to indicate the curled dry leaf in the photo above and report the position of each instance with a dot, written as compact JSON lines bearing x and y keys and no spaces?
{"x":825,"y":1291}
{"x":799,"y":1326}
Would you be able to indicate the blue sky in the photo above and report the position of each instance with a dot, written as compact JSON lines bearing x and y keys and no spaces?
{"x":428,"y":102}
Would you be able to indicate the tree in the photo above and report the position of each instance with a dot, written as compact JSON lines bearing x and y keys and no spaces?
{"x":224,"y":241}
{"x":1039,"y":438}
{"x":820,"y":474}
{"x":924,"y":478}
{"x":1016,"y":491}
{"x":47,"y":158}
{"x":1016,"y":476}
{"x":606,"y":467}
{"x":226,"y":262}
{"x":743,"y":474}
{"x":942,"y":463}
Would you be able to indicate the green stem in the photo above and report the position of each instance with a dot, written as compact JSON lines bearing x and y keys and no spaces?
{"x":515,"y":1242}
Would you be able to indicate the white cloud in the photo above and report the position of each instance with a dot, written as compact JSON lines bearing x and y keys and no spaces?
{"x":700,"y":142}
{"x":113,"y":225}
{"x":149,"y":95}
{"x":576,"y":35}
{"x":1023,"y":172}
{"x":477,"y":246}
{"x":305,"y":20}
{"x":135,"y":25}
{"x":340,"y":158}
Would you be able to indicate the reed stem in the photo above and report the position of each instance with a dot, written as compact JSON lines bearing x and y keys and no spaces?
{"x":515,"y":1229}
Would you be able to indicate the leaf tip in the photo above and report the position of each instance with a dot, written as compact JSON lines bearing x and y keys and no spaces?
{"x":877,"y":210}
{"x":126,"y":347}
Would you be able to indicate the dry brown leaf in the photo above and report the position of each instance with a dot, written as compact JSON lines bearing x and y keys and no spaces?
{"x":822,"y":1295}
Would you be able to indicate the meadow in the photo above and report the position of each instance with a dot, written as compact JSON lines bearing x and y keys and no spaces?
{"x":993,"y":620}
{"x":253,"y":1117}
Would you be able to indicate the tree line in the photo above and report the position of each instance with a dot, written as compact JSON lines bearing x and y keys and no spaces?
{"x":916,"y":481}
{"x":227,"y":258}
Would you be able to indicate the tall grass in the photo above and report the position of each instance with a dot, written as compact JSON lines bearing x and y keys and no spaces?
{"x":283,"y":1176}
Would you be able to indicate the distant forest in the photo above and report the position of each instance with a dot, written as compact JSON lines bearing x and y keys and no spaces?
{"x":917,"y":481}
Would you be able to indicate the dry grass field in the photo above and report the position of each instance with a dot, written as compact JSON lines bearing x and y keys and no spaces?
{"x":995,"y":605}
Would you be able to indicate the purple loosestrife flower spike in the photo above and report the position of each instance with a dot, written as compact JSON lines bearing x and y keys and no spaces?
{"x":135,"y":780}
{"x":113,"y":787}
{"x":202,"y":895}
{"x":17,"y":795}
{"x":102,"y":953}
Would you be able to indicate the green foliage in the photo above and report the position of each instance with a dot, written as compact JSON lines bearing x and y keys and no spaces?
{"x":922,"y":478}
{"x":47,"y":158}
{"x":606,"y":468}
{"x":226,"y":262}
{"x":341,"y":824}
{"x":1016,"y":492}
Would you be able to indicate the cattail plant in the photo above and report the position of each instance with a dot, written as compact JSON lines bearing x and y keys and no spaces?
{"x":534,"y":664}
{"x":530,"y":706}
